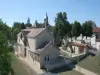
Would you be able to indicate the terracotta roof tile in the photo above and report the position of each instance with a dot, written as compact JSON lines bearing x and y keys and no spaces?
{"x":78,"y":44}
{"x":34,"y":32}
{"x":96,"y":29}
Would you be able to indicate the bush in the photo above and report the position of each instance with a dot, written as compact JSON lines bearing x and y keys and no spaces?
{"x":11,"y":48}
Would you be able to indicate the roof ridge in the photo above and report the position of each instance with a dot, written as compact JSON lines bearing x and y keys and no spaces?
{"x":38,"y":51}
{"x":78,"y":44}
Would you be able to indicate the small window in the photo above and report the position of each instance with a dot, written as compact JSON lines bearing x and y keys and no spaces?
{"x":46,"y":58}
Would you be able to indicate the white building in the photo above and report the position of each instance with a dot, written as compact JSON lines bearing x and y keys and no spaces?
{"x":36,"y":44}
{"x":95,"y":39}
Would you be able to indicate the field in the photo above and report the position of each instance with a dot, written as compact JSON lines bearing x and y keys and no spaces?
{"x":91,"y":63}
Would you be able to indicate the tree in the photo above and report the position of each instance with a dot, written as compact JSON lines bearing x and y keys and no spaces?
{"x":87,"y":29}
{"x":76,"y":29}
{"x":16,"y":25}
{"x":5,"y":59}
{"x":70,"y":35}
{"x":22,"y":26}
{"x":28,"y":24}
{"x":53,"y":29}
{"x":61,"y":24}
{"x":92,"y":23}
{"x":6,"y":30}
{"x":16,"y":28}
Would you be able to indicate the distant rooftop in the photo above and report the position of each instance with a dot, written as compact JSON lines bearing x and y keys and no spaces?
{"x":77,"y":44}
{"x":96,"y":29}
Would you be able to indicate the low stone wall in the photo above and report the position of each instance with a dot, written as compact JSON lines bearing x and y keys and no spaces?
{"x":75,"y":59}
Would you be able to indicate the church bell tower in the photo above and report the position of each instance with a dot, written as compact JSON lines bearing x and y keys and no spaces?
{"x":46,"y":20}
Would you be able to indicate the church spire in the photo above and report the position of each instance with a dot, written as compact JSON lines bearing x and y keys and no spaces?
{"x":46,"y":16}
{"x":46,"y":20}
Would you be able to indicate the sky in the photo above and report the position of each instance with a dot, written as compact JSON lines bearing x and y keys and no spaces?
{"x":20,"y":10}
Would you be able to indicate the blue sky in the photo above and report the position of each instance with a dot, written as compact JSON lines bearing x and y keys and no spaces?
{"x":20,"y":10}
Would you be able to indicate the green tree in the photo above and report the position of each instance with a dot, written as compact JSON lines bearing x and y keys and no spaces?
{"x":61,"y":24}
{"x":16,"y":25}
{"x":70,"y":31}
{"x":22,"y":26}
{"x":93,"y":23}
{"x":16,"y":28}
{"x":6,"y":30}
{"x":87,"y":29}
{"x":28,"y":24}
{"x":76,"y":29}
{"x":53,"y":29}
{"x":5,"y":59}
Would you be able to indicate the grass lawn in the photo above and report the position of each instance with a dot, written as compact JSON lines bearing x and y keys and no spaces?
{"x":91,"y":63}
{"x":18,"y":67}
{"x":72,"y":72}
{"x":66,"y":70}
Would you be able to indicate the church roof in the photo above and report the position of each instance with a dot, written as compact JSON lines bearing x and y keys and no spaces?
{"x":34,"y":32}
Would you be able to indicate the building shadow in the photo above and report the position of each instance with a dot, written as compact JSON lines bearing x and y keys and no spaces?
{"x":67,"y":67}
{"x":70,"y":66}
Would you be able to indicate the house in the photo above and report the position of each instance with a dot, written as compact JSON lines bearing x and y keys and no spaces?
{"x":95,"y":39}
{"x":77,"y":48}
{"x":74,"y":51}
{"x":37,"y":45}
{"x":96,"y":32}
